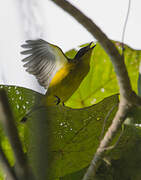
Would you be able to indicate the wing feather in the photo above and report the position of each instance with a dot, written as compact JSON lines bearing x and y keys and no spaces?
{"x":41,"y":60}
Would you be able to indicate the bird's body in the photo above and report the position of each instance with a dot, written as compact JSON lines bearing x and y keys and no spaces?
{"x":66,"y":81}
{"x":60,"y":75}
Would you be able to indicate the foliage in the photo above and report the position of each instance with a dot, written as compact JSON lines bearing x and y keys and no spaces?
{"x":101,"y":81}
{"x":73,"y":134}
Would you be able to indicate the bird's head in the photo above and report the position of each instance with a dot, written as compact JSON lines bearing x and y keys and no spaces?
{"x":84,"y":51}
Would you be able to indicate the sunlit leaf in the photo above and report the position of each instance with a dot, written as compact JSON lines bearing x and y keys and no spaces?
{"x":101,"y":81}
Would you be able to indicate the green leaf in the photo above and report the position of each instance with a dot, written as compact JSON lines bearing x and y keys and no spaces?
{"x":101,"y":81}
{"x":124,"y":161}
{"x":134,"y":116}
{"x":75,"y":176}
{"x":73,"y":134}
{"x":139,"y":83}
{"x":21,"y":99}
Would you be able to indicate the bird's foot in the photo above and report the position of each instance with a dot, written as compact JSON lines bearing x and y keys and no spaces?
{"x":58,"y":100}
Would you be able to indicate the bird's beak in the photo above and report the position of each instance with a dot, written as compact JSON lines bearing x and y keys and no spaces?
{"x":91,"y":45}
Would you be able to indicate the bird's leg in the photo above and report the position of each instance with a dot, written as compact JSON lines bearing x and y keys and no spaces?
{"x":58,"y":100}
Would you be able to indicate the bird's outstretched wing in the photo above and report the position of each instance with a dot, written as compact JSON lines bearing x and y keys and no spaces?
{"x":43,"y":60}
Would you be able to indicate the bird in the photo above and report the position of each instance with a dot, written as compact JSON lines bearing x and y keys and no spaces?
{"x":57,"y":73}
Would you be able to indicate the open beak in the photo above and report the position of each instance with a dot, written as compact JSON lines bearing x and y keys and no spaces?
{"x":91,"y":45}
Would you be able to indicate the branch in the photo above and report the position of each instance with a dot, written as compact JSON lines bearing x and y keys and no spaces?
{"x":9,"y":171}
{"x":40,"y":140}
{"x":7,"y":120}
{"x":128,"y":97}
{"x":110,"y":134}
{"x":124,"y":27}
{"x":109,"y":47}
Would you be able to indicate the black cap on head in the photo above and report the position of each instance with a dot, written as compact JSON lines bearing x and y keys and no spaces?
{"x":83,"y":50}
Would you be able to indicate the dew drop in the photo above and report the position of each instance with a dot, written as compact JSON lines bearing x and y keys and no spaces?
{"x":17,"y":106}
{"x":93,"y":101}
{"x":102,"y":89}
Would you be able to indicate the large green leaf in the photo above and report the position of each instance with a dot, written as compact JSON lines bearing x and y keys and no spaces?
{"x":73,"y":134}
{"x":21,"y":101}
{"x":122,"y":162}
{"x":78,"y":175}
{"x":101,"y":81}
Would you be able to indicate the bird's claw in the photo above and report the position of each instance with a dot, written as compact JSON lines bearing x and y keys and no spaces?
{"x":58,"y":100}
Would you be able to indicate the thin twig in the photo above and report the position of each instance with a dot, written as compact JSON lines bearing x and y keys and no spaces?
{"x":117,"y":142}
{"x":105,"y":120}
{"x":125,"y":25}
{"x":9,"y":171}
{"x":9,"y":126}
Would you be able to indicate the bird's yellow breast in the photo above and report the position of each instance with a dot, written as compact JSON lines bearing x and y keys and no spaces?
{"x":61,"y":74}
{"x":67,"y":80}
